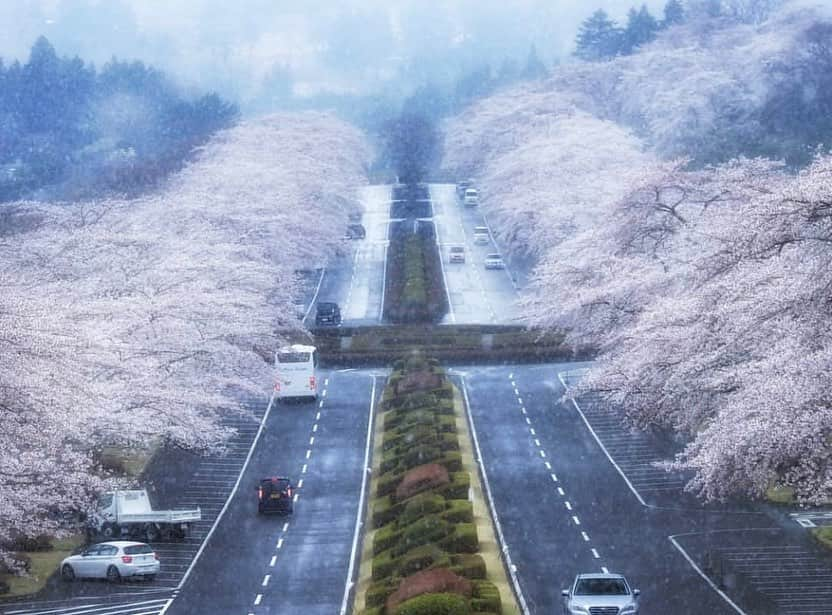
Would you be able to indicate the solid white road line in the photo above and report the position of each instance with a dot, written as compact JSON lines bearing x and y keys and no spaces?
{"x":353,"y":554}
{"x":512,"y":569}
{"x":227,"y":502}
{"x":601,"y":444}
{"x":704,"y":576}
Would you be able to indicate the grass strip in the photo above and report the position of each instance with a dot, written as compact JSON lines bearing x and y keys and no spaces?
{"x":43,"y":564}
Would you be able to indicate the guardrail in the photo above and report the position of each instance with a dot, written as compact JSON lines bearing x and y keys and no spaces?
{"x":490,"y":343}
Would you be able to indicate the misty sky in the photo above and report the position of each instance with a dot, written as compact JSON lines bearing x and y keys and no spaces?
{"x":326,"y":45}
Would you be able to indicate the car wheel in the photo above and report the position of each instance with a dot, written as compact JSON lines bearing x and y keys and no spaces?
{"x":67,"y":573}
{"x":109,"y":530}
{"x":113,"y":575}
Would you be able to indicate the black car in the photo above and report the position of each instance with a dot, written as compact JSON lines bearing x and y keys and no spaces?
{"x":274,"y":495}
{"x":328,"y":314}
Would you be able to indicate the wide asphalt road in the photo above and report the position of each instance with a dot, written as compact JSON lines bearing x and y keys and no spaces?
{"x":355,"y":280}
{"x":565,"y":509}
{"x":476,"y":295}
{"x":297,"y":563}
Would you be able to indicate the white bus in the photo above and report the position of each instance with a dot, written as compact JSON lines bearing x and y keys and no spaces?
{"x":296,"y":372}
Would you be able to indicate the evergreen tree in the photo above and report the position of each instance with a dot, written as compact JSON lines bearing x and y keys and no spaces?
{"x":674,"y":13}
{"x":641,"y":28}
{"x":535,"y":68}
{"x":599,"y":38}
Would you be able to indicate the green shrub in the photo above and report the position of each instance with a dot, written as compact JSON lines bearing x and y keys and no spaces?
{"x":447,"y":424}
{"x":376,"y":610}
{"x":430,"y":528}
{"x":384,"y":564}
{"x":378,"y":591}
{"x":388,"y":482}
{"x":385,"y":538}
{"x":383,"y":511}
{"x":451,"y":460}
{"x":449,"y":442}
{"x":458,"y":511}
{"x":422,"y":558}
{"x":486,"y":597}
{"x":419,"y":455}
{"x":463,"y":539}
{"x":458,"y":488}
{"x":435,"y":604}
{"x":419,"y":506}
{"x":469,"y":565}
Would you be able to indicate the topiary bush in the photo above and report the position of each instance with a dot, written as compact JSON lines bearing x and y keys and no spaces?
{"x":435,"y":604}
{"x":486,"y":597}
{"x":435,"y":581}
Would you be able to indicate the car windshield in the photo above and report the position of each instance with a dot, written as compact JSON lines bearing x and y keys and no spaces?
{"x":280,"y":484}
{"x":138,"y":550}
{"x":244,"y":239}
{"x":601,"y":587}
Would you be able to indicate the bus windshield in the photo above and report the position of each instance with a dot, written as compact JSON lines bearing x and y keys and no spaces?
{"x":294,"y":357}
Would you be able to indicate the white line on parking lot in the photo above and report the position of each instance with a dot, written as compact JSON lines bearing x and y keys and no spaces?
{"x":601,"y":444}
{"x":704,"y":576}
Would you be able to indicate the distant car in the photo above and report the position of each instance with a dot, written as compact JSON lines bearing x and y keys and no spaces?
{"x":274,"y":495}
{"x":113,"y":561}
{"x":328,"y":313}
{"x":600,"y":594}
{"x":481,"y":235}
{"x":471,"y":198}
{"x":299,"y":308}
{"x":456,"y":254}
{"x":494,"y":261}
{"x":355,"y":231}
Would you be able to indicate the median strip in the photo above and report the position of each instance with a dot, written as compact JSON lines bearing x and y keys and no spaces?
{"x":431,"y":546}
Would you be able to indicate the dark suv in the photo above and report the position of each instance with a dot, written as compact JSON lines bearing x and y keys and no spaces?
{"x":274,"y":495}
{"x":328,"y":314}
{"x":355,"y":231}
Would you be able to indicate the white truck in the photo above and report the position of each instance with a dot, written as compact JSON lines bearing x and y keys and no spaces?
{"x":128,"y":514}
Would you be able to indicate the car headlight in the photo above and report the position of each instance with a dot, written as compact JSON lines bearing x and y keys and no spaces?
{"x":628,"y":610}
{"x":579,"y":610}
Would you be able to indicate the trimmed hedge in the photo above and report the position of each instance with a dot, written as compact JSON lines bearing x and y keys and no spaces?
{"x":433,"y":529}
{"x":435,"y":604}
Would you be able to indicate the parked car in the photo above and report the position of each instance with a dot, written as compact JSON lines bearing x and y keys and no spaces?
{"x":456,"y":254}
{"x":600,"y":594}
{"x":328,"y":313}
{"x":481,"y":235}
{"x":355,"y":231}
{"x":471,"y":198}
{"x":494,"y":261}
{"x":113,"y":561}
{"x":274,"y":495}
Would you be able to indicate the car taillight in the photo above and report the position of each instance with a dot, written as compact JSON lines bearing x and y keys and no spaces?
{"x":127,"y":559}
{"x":156,"y":556}
{"x":260,"y":493}
{"x":312,"y":382}
{"x":289,"y":492}
{"x":277,"y":385}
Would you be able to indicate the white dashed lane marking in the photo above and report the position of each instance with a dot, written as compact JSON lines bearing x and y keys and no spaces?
{"x":258,"y":599}
{"x":273,"y":561}
{"x":266,"y":580}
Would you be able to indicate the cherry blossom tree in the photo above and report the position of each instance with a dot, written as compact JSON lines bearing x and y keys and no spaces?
{"x":124,"y":321}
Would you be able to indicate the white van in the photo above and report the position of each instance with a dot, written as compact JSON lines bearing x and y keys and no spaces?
{"x":296,"y":377}
{"x":471,"y":198}
{"x":481,"y":235}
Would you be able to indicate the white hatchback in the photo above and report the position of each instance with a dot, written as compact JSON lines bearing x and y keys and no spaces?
{"x":112,"y":561}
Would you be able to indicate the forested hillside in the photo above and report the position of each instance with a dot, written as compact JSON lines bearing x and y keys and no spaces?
{"x":676,"y":200}
{"x":69,"y":130}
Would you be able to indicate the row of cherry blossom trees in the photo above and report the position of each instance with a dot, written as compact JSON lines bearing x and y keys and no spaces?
{"x":704,"y":287}
{"x":123,"y":321}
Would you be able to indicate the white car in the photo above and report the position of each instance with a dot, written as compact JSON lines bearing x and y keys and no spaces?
{"x":471,"y":198}
{"x":601,"y":594}
{"x":481,"y":235}
{"x":113,"y":561}
{"x":456,"y":254}
{"x":494,"y":261}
